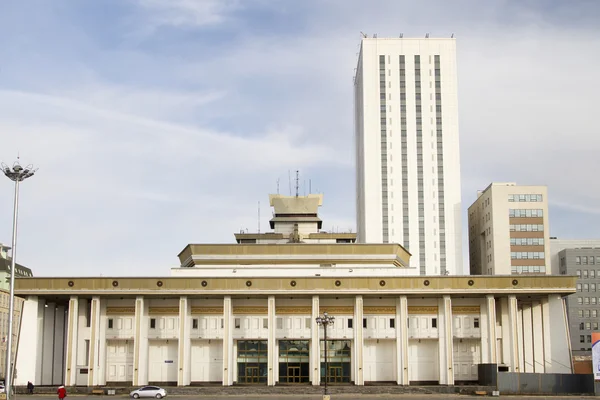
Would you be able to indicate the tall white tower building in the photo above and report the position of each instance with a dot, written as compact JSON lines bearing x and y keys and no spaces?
{"x":407,"y":150}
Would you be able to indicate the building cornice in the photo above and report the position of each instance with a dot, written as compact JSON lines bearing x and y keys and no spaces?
{"x":190,"y":286}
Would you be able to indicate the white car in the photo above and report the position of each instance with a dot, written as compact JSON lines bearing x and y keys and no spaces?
{"x":149,"y":391}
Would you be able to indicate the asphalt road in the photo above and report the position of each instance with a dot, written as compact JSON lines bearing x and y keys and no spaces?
{"x":312,"y":397}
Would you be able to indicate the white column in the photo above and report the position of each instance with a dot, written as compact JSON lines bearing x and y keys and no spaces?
{"x":271,"y":345}
{"x":315,"y":345}
{"x":445,"y":341}
{"x":140,"y":345}
{"x":512,"y":338}
{"x":47,"y":344}
{"x":520,"y":344}
{"x":359,"y":343}
{"x":71,"y":353}
{"x":228,"y":361}
{"x":492,"y":357}
{"x":94,"y":340}
{"x":402,"y":341}
{"x":547,"y":335}
{"x":184,"y":374}
{"x":59,"y":335}
{"x":101,"y":358}
{"x":538,"y":338}
{"x":527,"y":338}
{"x":26,"y":365}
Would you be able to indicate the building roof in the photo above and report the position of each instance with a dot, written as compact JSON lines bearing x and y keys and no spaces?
{"x":20,"y":270}
{"x":294,"y":253}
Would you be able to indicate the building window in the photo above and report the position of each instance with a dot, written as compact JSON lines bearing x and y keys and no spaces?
{"x":265,"y":323}
{"x":581,"y":326}
{"x":588,"y":325}
{"x":279,"y":323}
{"x":581,"y":339}
{"x":586,"y":287}
{"x":585,"y":272}
{"x":592,"y":260}
{"x":578,"y":273}
{"x":595,"y":326}
{"x":584,"y":260}
{"x":592,"y":287}
{"x":222,"y":323}
{"x":586,"y":300}
{"x":578,"y":260}
{"x":594,"y":313}
{"x":589,"y":338}
{"x":586,"y":313}
{"x":434,"y":322}
{"x":350,"y":322}
{"x":593,"y":299}
{"x":364,"y":322}
{"x":475,"y":322}
{"x":580,"y":313}
{"x":525,"y":213}
{"x":152,"y":323}
{"x":237,"y":323}
{"x":592,"y":272}
{"x":392,"y":322}
{"x":579,"y":300}
{"x":579,"y":287}
{"x":194,"y":323}
{"x":110,"y":323}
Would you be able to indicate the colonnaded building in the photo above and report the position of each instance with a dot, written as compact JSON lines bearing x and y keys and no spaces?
{"x":245,"y":313}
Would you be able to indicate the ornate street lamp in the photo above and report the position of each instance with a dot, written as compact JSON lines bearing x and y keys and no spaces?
{"x":325,"y":321}
{"x":17,"y":174}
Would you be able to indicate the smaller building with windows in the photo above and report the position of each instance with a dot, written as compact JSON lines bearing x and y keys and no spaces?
{"x":508,"y":230}
{"x":583,"y":307}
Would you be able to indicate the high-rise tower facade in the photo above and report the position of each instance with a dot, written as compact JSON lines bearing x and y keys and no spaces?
{"x":407,"y":150}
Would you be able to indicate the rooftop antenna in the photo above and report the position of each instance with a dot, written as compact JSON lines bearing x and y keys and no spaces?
{"x":375,"y":36}
{"x":277,"y":185}
{"x":310,"y":186}
{"x":364,"y":35}
{"x":297,"y":182}
{"x":427,"y":36}
{"x":401,"y":35}
{"x":452,"y":36}
{"x":259,"y":215}
{"x":290,"y":181}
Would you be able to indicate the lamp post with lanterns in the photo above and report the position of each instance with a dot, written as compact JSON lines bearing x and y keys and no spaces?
{"x":325,"y":321}
{"x":17,"y":174}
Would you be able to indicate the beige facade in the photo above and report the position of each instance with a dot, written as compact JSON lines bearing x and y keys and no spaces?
{"x":509,"y":230}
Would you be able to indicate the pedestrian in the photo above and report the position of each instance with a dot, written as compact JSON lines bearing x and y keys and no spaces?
{"x":29,"y":387}
{"x":62,"y":392}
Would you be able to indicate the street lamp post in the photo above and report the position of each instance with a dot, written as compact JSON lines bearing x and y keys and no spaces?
{"x":17,"y":174}
{"x":325,"y":321}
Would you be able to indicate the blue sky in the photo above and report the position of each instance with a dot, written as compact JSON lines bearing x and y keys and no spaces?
{"x":157,"y":123}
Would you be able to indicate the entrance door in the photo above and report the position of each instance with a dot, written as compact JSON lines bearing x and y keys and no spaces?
{"x":252,"y":374}
{"x":335,"y":374}
{"x":293,"y":374}
{"x":467,"y":355}
{"x":119,"y":361}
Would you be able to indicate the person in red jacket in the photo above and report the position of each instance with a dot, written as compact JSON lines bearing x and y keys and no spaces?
{"x":62,"y":392}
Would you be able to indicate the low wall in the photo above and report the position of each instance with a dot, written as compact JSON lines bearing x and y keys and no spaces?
{"x":530,"y":383}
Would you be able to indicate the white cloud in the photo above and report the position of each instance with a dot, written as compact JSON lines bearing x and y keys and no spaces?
{"x":186,"y":13}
